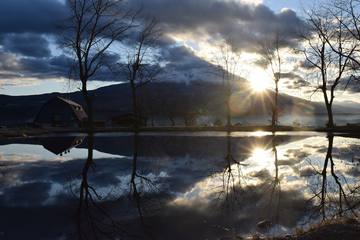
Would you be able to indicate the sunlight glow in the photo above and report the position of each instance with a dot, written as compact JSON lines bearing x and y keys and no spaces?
{"x":258,"y":87}
{"x":259,"y":81}
{"x":260,"y":133}
{"x":259,"y":154}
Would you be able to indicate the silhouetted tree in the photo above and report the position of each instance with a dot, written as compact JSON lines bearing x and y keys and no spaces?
{"x":227,"y":62}
{"x":347,"y":14}
{"x":270,"y":51}
{"x":328,"y":51}
{"x":140,"y":72}
{"x":93,"y":27}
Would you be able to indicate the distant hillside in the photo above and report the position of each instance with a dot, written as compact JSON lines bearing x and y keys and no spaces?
{"x":168,"y":100}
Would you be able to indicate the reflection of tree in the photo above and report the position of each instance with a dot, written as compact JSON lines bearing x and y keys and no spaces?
{"x":341,"y":203}
{"x":92,"y":218}
{"x":134,"y":175}
{"x":231,"y":176}
{"x":273,"y":187}
{"x":275,"y":194}
{"x":135,"y":180}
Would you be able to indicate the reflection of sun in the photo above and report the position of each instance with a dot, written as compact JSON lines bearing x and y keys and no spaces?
{"x":259,"y":154}
{"x":260,"y":133}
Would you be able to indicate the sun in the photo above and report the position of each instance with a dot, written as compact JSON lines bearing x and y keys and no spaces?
{"x":259,"y":80}
{"x":258,"y":86}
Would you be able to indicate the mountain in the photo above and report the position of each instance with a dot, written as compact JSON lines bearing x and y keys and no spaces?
{"x":169,"y":100}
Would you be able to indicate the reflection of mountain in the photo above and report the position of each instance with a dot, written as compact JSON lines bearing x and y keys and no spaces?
{"x":166,"y":100}
{"x":190,"y":146}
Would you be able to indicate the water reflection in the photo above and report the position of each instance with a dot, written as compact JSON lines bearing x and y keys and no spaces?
{"x":61,"y":145}
{"x":93,"y":219}
{"x":336,"y":196}
{"x":177,"y":186}
{"x":140,"y":185}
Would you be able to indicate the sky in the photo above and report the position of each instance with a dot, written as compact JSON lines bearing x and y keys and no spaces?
{"x":32,"y":60}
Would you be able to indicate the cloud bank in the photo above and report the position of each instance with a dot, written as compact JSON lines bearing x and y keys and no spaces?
{"x":26,"y":28}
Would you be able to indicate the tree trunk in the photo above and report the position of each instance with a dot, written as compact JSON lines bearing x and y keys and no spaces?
{"x":84,"y":186}
{"x":324,"y":175}
{"x":330,"y":123}
{"x":134,"y":163}
{"x":328,"y":104}
{"x":89,"y":107}
{"x":134,"y":103}
{"x":228,"y":107}
{"x":274,"y":118}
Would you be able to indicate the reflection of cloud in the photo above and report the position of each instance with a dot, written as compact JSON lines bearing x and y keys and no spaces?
{"x":252,"y":204}
{"x":307,"y":172}
{"x":35,"y":192}
{"x":188,"y":182}
{"x":295,"y":154}
{"x":19,"y":157}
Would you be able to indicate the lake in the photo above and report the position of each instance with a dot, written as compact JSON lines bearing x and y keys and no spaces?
{"x":175,"y":185}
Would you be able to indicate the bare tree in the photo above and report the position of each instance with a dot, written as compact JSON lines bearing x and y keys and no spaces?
{"x":347,"y":14}
{"x":227,"y":62}
{"x":328,"y":51}
{"x":139,"y":71}
{"x":270,"y":52}
{"x":93,"y":27}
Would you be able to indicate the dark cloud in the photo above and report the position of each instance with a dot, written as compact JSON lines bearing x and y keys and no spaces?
{"x":58,"y":66}
{"x":183,"y":65}
{"x":32,"y":45}
{"x":25,"y":25}
{"x":294,"y":81}
{"x":49,"y":67}
{"x":36,"y":16}
{"x":9,"y":75}
{"x":350,"y":84}
{"x":8,"y":61}
{"x":306,"y":65}
{"x":261,"y":63}
{"x":246,"y":25}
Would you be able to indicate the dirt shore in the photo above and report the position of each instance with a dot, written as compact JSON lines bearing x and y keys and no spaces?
{"x":344,"y":229}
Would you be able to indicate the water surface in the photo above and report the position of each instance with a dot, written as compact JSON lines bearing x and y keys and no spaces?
{"x":175,"y":186}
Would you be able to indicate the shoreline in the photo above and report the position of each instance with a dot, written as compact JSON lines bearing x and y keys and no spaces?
{"x":14,"y":132}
